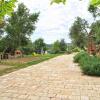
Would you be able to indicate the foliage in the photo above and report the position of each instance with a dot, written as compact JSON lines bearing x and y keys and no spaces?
{"x":76,"y":49}
{"x":58,"y":1}
{"x":59,"y":46}
{"x":20,"y":26}
{"x":95,"y":2}
{"x":39,"y":46}
{"x":35,"y":54}
{"x":10,"y":43}
{"x":69,"y":48}
{"x":6,"y":7}
{"x":56,"y":47}
{"x":93,"y":10}
{"x":96,"y":31}
{"x":78,"y":32}
{"x":92,"y":2}
{"x":27,"y":49}
{"x":63,"y":45}
{"x":90,"y":65}
{"x":78,"y":56}
{"x":2,"y":47}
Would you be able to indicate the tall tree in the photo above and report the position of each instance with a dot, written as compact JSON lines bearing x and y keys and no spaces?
{"x":95,"y":27}
{"x":63,"y":45}
{"x":78,"y":32}
{"x":39,"y":46}
{"x":56,"y":47}
{"x":20,"y":26}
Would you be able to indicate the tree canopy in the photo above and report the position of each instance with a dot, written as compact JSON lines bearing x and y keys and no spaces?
{"x":95,"y":27}
{"x":39,"y":46}
{"x":62,"y":45}
{"x":56,"y":47}
{"x":78,"y":32}
{"x":20,"y":26}
{"x":59,"y":46}
{"x":6,"y":6}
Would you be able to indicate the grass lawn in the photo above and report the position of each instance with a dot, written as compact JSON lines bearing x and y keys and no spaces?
{"x":7,"y":66}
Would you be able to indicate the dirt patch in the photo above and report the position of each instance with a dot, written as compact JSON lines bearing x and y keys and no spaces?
{"x":21,"y":60}
{"x":2,"y":67}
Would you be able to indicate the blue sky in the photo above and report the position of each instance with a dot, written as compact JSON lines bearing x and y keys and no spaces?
{"x":55,"y":20}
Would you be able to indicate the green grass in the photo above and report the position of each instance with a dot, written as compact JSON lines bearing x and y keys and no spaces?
{"x":17,"y":66}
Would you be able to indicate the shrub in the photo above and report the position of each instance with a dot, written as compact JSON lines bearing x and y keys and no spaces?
{"x":35,"y":54}
{"x":26,"y":50}
{"x":76,"y":49}
{"x":78,"y":56}
{"x":89,"y":65}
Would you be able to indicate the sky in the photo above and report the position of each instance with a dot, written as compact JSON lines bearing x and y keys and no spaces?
{"x":55,"y":20}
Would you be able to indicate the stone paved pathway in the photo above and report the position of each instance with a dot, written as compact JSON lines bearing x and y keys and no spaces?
{"x":55,"y":79}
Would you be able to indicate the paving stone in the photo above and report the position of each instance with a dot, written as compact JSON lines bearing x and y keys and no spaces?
{"x":56,"y":79}
{"x":33,"y":98}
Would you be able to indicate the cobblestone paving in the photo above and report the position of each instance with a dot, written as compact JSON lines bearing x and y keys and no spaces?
{"x":55,"y":79}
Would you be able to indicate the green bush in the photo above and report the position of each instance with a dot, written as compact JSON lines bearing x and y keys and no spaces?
{"x":26,"y":50}
{"x":78,"y":56}
{"x":89,"y":65}
{"x":76,"y":49}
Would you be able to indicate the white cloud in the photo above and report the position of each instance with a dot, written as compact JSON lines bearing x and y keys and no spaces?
{"x":55,"y":20}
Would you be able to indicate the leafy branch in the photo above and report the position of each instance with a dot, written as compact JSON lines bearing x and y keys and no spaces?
{"x":92,"y":2}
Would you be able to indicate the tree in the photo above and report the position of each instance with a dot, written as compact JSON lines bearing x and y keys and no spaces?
{"x":95,"y":11}
{"x":6,"y":6}
{"x":78,"y":32}
{"x":62,"y":45}
{"x":95,"y":27}
{"x":27,"y":49}
{"x":56,"y":47}
{"x":2,"y":44}
{"x":20,"y":26}
{"x":39,"y":46}
{"x":1,"y":30}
